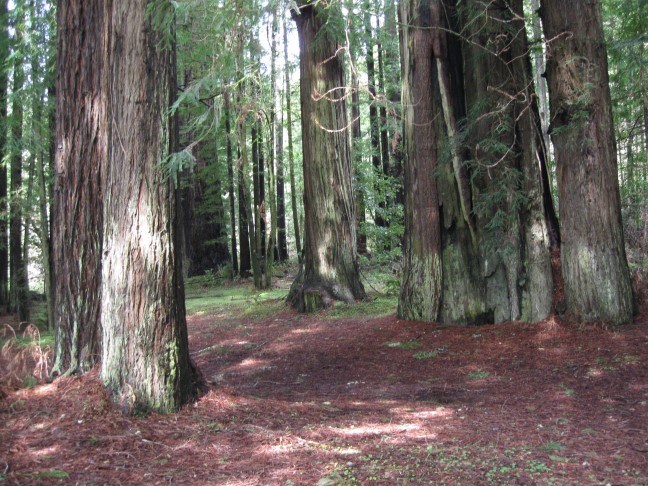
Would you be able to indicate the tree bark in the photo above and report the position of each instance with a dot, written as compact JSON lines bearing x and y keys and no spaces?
{"x":506,"y":147}
{"x":330,"y":267}
{"x":230,"y":179}
{"x":594,"y":264}
{"x":81,"y":157}
{"x":145,"y":355}
{"x":420,"y":294}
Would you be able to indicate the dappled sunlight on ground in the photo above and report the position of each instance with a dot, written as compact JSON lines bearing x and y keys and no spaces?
{"x":295,"y":399}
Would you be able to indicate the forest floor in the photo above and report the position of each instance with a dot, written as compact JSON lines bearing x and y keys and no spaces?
{"x":353,"y":395}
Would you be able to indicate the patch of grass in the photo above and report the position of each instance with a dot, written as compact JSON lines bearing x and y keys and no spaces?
{"x":239,"y":300}
{"x":376,"y":306}
{"x":553,"y":447}
{"x":53,"y":474}
{"x":409,"y":345}
{"x":426,"y":355}
{"x":478,"y":375}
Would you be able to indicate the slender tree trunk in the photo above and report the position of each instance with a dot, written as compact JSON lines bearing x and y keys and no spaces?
{"x":374,"y":124}
{"x":277,"y":130}
{"x":594,"y":264}
{"x":81,"y":157}
{"x":382,"y":110}
{"x":4,"y":229}
{"x":330,"y":270}
{"x":230,"y":179}
{"x":17,"y":269}
{"x":356,"y":151}
{"x":291,"y":154}
{"x":420,"y":294}
{"x":243,"y":198}
{"x":145,"y":358}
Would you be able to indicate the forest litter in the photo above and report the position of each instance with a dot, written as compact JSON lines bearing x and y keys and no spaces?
{"x":313,"y":399}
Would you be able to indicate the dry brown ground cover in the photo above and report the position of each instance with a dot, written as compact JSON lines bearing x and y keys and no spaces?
{"x":302,"y":399}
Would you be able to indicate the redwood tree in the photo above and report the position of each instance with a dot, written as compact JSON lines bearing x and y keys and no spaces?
{"x":594,"y":265}
{"x":81,"y":141}
{"x":4,"y":84}
{"x":330,"y":270}
{"x":420,"y":294}
{"x":145,"y":355}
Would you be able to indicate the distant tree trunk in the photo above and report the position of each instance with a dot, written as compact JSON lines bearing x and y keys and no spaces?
{"x":382,"y":110}
{"x":291,"y":154}
{"x":374,"y":128}
{"x":145,"y":358}
{"x":277,"y":131}
{"x":4,"y":229}
{"x":230,"y":179}
{"x":243,"y":197}
{"x":330,"y":270}
{"x":81,"y":157}
{"x":356,"y":152}
{"x":594,"y":264}
{"x":420,"y":294}
{"x":392,"y":61}
{"x":17,"y":269}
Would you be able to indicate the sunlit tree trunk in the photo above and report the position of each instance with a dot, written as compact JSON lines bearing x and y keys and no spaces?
{"x":291,"y":153}
{"x":594,"y":265}
{"x":330,"y":270}
{"x":230,"y":180}
{"x":420,"y":294}
{"x":81,"y":157}
{"x":145,"y":354}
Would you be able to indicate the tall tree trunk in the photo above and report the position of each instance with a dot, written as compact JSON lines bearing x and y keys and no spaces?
{"x":356,"y":152}
{"x":506,"y":147}
{"x":17,"y":269}
{"x":594,"y":264}
{"x":382,"y":110}
{"x":330,"y":270}
{"x":230,"y":179}
{"x":277,"y":131}
{"x":464,"y":289}
{"x":291,"y":154}
{"x":374,"y":124}
{"x":145,"y":353}
{"x":81,"y":157}
{"x":420,"y":294}
{"x":243,"y":190}
{"x":4,"y":229}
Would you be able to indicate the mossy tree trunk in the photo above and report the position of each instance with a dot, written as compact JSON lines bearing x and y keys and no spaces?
{"x":145,"y":355}
{"x":420,"y":294}
{"x":464,"y":289}
{"x":330,"y":270}
{"x":594,"y":264}
{"x":506,"y":147}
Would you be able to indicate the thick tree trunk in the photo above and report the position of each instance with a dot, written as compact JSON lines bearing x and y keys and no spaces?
{"x":464,"y":289}
{"x":4,"y":229}
{"x":145,"y":358}
{"x":330,"y":270}
{"x":594,"y":265}
{"x":81,"y":157}
{"x":17,"y":270}
{"x":420,"y":294}
{"x":506,"y":149}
